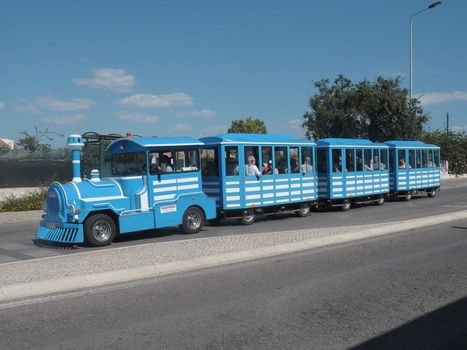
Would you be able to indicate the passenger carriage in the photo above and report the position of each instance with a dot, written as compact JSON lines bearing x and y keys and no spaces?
{"x":256,"y":173}
{"x":155,"y":183}
{"x":352,"y":170}
{"x":414,"y":167}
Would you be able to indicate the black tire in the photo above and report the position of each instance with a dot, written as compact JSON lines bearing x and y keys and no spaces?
{"x":432,"y":193}
{"x":346,"y":206}
{"x":303,"y":211}
{"x":407,"y":197}
{"x":100,"y":230}
{"x":193,"y":220}
{"x":248,"y":217}
{"x":379,"y":201}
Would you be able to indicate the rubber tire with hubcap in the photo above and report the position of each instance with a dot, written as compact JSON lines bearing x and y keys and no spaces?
{"x":432,"y":193}
{"x":248,"y":217}
{"x":346,"y":206}
{"x":303,"y":211}
{"x":100,"y":230}
{"x":407,"y":197}
{"x":379,"y":201}
{"x":193,"y":220}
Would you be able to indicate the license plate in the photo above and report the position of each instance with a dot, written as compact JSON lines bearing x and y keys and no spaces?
{"x":52,"y":225}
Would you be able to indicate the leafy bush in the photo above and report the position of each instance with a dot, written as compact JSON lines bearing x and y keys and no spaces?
{"x":31,"y":201}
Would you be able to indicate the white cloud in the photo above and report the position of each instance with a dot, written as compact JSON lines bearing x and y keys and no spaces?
{"x":204,"y":113}
{"x":108,"y":78}
{"x":65,"y":120}
{"x":148,"y":100}
{"x":136,"y":117}
{"x":459,"y":128}
{"x":48,"y":103}
{"x":180,"y":127}
{"x":433,"y":98}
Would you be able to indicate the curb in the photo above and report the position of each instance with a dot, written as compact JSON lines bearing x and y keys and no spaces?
{"x":44,"y":287}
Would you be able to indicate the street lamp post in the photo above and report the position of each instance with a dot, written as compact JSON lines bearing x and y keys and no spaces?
{"x":433,"y":5}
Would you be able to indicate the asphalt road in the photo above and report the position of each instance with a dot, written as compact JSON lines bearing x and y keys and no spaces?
{"x":16,"y":240}
{"x":403,"y":291}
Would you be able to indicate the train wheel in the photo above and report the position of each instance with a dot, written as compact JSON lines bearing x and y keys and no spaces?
{"x":346,"y":206}
{"x":248,"y":217}
{"x":193,"y":220}
{"x":379,"y":201}
{"x":303,"y":211}
{"x":100,"y":230}
{"x":407,"y":197}
{"x":432,"y":193}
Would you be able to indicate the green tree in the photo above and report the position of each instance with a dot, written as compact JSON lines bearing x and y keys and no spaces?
{"x":453,"y":148}
{"x":379,"y":110}
{"x":248,"y":126}
{"x":35,"y":142}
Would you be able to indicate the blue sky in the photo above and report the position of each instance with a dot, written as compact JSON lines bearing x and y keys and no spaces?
{"x":190,"y":67}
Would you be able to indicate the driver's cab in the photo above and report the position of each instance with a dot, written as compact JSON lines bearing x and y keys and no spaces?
{"x":160,"y":175}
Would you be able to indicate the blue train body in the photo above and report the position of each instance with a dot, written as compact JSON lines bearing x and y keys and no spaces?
{"x":352,"y":170}
{"x":414,"y":166}
{"x":248,"y":173}
{"x":156,"y":183}
{"x":161,"y":182}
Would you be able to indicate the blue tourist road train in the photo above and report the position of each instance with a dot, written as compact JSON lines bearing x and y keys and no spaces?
{"x":162,"y":182}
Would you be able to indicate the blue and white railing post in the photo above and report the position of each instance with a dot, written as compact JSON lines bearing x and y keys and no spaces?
{"x":76,"y":143}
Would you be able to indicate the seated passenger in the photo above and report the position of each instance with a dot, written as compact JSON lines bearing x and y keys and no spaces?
{"x":295,"y":165}
{"x":267,"y":168}
{"x":402,"y":164}
{"x":251,"y":169}
{"x":165,"y":166}
{"x":232,"y":167}
{"x":306,"y":166}
{"x":376,"y":165}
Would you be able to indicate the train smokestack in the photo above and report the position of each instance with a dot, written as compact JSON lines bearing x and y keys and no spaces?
{"x":76,"y":143}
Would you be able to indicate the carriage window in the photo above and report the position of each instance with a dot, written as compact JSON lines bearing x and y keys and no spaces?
{"x":210,"y":162}
{"x":322,"y":160}
{"x":430,"y":158}
{"x":173,"y":161}
{"x":376,"y":161}
{"x":349,"y":160}
{"x":367,"y":153}
{"x":186,"y":160}
{"x":294,"y":160}
{"x":231,"y":161}
{"x":336,"y":160}
{"x":266,"y":153}
{"x":281,"y":161}
{"x":411,"y":158}
{"x":419,"y":158}
{"x":384,"y":159}
{"x":359,"y":160}
{"x":307,"y":160}
{"x":436,"y":158}
{"x":425,"y":158}
{"x":128,"y":164}
{"x":251,"y":160}
{"x":401,"y":159}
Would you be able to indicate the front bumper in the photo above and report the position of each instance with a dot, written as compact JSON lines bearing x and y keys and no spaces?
{"x":60,"y":232}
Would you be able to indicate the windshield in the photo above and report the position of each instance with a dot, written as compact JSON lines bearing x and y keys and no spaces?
{"x":129,"y":164}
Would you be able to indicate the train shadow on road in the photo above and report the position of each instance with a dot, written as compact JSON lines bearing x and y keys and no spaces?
{"x":443,"y":328}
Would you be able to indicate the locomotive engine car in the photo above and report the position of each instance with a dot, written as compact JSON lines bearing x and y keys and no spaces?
{"x":155,"y":183}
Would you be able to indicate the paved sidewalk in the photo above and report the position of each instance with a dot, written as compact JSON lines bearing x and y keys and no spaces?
{"x":97,"y":268}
